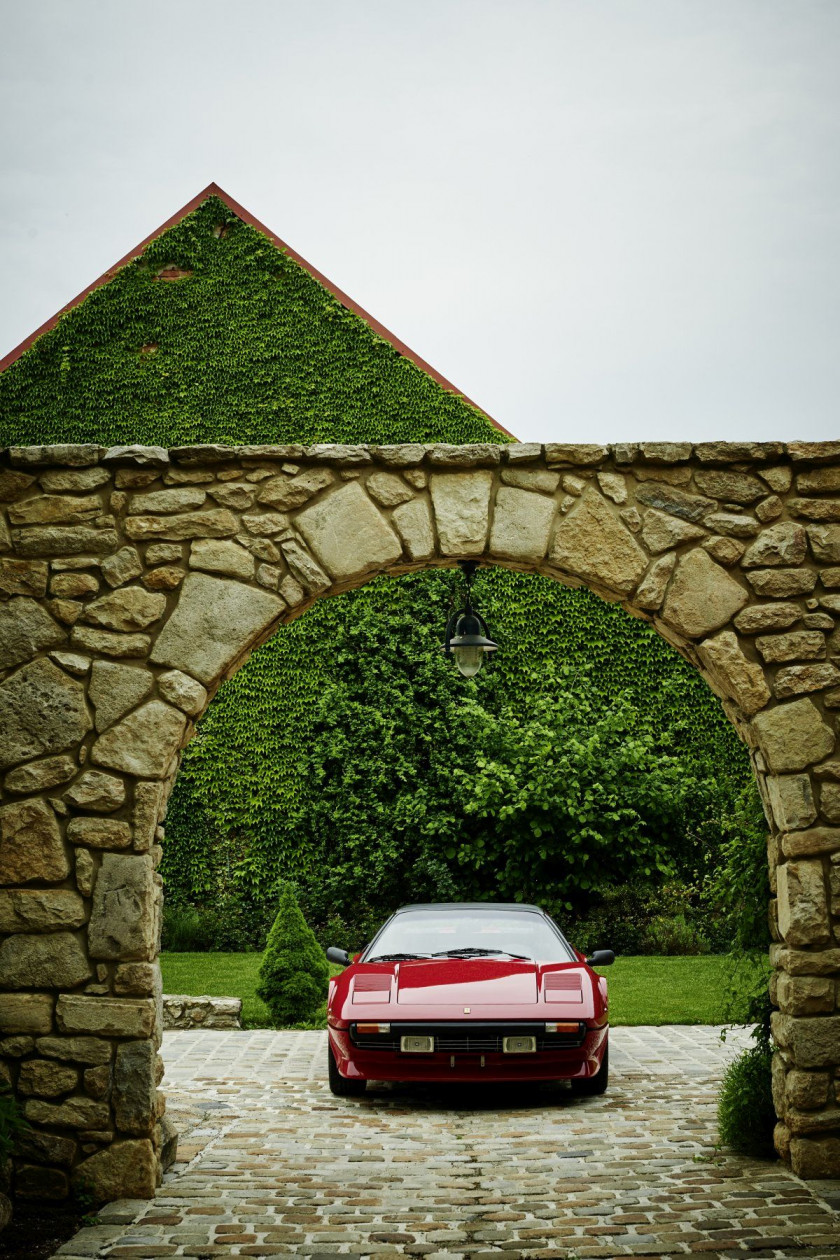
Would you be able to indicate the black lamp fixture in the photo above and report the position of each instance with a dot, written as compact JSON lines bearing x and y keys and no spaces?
{"x":467,"y":641}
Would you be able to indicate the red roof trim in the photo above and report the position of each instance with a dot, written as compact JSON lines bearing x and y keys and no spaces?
{"x":213,"y":190}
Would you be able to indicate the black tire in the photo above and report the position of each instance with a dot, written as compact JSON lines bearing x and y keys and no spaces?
{"x":588,"y":1086}
{"x":339,"y":1084}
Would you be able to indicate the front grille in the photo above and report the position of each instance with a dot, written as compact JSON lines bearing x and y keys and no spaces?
{"x":460,"y":1038}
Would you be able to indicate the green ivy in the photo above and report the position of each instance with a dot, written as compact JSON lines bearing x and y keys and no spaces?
{"x":246,"y":347}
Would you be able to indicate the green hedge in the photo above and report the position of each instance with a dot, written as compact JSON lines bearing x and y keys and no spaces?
{"x":244,"y":348}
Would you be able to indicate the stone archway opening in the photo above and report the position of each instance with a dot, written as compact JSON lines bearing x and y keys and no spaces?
{"x":137,"y":579}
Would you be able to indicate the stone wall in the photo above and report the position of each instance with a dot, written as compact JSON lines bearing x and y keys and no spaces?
{"x":134,"y":580}
{"x":181,"y":1010}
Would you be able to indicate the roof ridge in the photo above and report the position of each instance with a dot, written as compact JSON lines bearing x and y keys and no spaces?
{"x":214,"y":190}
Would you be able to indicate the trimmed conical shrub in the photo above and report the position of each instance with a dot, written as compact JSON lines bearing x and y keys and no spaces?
{"x":294,"y":971}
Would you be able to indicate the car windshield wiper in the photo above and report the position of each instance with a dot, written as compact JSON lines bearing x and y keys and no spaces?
{"x":472,"y":951}
{"x":395,"y":957}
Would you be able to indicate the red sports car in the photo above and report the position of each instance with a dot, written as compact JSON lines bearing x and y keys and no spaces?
{"x":477,"y":991}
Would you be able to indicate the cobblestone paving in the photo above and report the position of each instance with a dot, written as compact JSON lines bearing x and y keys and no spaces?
{"x":272,"y":1165}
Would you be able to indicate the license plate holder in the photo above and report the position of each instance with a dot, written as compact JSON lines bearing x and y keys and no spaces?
{"x":519,"y":1045}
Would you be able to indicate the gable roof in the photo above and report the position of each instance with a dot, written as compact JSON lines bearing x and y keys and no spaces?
{"x":213,"y":190}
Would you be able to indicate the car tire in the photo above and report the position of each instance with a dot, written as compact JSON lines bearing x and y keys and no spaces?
{"x":588,"y":1086}
{"x":339,"y":1084}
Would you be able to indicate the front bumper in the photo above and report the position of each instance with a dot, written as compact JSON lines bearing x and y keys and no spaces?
{"x":468,"y":1051}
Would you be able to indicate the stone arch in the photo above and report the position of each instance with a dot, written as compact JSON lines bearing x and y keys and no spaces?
{"x":134,"y":580}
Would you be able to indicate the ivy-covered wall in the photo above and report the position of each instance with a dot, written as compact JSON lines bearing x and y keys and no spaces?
{"x":215,"y":335}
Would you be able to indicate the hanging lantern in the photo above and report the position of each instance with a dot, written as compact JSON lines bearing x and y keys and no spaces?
{"x":467,"y":641}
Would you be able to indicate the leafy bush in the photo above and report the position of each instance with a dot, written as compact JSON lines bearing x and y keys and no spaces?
{"x":11,"y":1124}
{"x":294,"y":971}
{"x":231,"y":925}
{"x":673,"y":934}
{"x":746,"y":1117}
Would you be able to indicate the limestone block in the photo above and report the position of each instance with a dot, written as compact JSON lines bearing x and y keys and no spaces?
{"x":537,"y":479}
{"x":522,"y":522}
{"x":144,"y":743}
{"x":46,"y":1079}
{"x":86,"y":1050}
{"x":798,"y":645}
{"x":726,"y":551}
{"x":114,"y":689}
{"x":823,"y":962}
{"x":121,"y":567}
{"x":292,"y":591}
{"x":148,"y":810}
{"x":238,"y":495}
{"x":99,"y":833}
{"x":793,"y":736}
{"x":135,"y":1093}
{"x":287,"y":493}
{"x":123,"y":1170}
{"x":791,"y":800}
{"x":262,"y":548}
{"x":35,"y":1182}
{"x":266,"y":526}
{"x":825,"y":543}
{"x":49,"y":509}
{"x":815,"y":1157}
{"x":472,"y":455}
{"x":592,"y":542}
{"x":53,"y":961}
{"x":702,"y":596}
{"x":461,"y":504}
{"x":21,"y":577}
{"x":26,"y":629}
{"x":214,"y":624}
{"x":63,"y":540}
{"x":815,"y":509}
{"x":214,"y":523}
{"x":76,"y":1112}
{"x":347,"y":533}
{"x":97,"y":791}
{"x":73,"y":481}
{"x":805,"y":995}
{"x":97,"y":1081}
{"x":122,"y":921}
{"x":222,"y":556}
{"x":388,"y":489}
{"x":110,"y":643}
{"x":653,"y":585}
{"x":164,"y":553}
{"x":85,"y":871}
{"x":767,"y":617}
{"x":732,"y":524}
{"x":26,"y":1013}
{"x":107,"y":1017}
{"x":72,"y":585}
{"x":413,"y":523}
{"x":573,"y":485}
{"x":583,"y":454}
{"x":131,"y":608}
{"x":782,"y":544}
{"x":671,"y":499}
{"x":803,"y":909}
{"x":769,"y":509}
{"x":797,"y":680}
{"x":613,"y":486}
{"x":47,"y":1148}
{"x":182,"y":499}
{"x":30,"y":844}
{"x":812,"y":841}
{"x":40,"y":775}
{"x":781,"y":583}
{"x":741,"y":679}
{"x":268,"y":575}
{"x":731,"y":487}
{"x":181,"y":690}
{"x":13,"y":485}
{"x":830,"y":802}
{"x":661,"y":532}
{"x":40,"y":909}
{"x":137,"y":979}
{"x":807,"y":1090}
{"x":311,"y":576}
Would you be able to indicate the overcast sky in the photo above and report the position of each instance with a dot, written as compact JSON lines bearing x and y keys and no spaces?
{"x":602,"y":219}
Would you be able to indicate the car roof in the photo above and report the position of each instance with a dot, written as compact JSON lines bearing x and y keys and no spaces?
{"x":469,"y":905}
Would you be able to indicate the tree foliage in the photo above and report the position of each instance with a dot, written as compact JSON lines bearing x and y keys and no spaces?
{"x":294,"y":971}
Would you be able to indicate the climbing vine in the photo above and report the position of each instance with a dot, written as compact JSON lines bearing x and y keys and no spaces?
{"x":215,"y":335}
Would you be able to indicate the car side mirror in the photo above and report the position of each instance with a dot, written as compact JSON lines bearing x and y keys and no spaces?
{"x":601,"y":958}
{"x":339,"y":956}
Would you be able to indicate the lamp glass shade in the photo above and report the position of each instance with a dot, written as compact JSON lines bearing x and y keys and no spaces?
{"x":469,"y":660}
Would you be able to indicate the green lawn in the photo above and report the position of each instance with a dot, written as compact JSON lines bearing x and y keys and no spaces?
{"x":643,"y":990}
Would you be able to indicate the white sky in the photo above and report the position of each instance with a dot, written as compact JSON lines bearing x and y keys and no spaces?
{"x":602,"y":219}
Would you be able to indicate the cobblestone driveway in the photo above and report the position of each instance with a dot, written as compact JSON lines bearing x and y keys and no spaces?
{"x":272,"y":1164}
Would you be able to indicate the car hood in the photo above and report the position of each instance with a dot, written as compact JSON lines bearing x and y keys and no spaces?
{"x":462,"y":981}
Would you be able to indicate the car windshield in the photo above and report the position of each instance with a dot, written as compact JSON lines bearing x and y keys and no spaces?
{"x":464,"y":931}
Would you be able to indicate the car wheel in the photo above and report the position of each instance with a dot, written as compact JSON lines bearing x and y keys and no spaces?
{"x":339,"y":1084}
{"x":597,"y":1084}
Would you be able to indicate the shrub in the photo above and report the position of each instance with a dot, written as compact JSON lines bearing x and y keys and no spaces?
{"x":294,"y":971}
{"x":673,"y":934}
{"x":746,"y":1117}
{"x":11,"y":1124}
